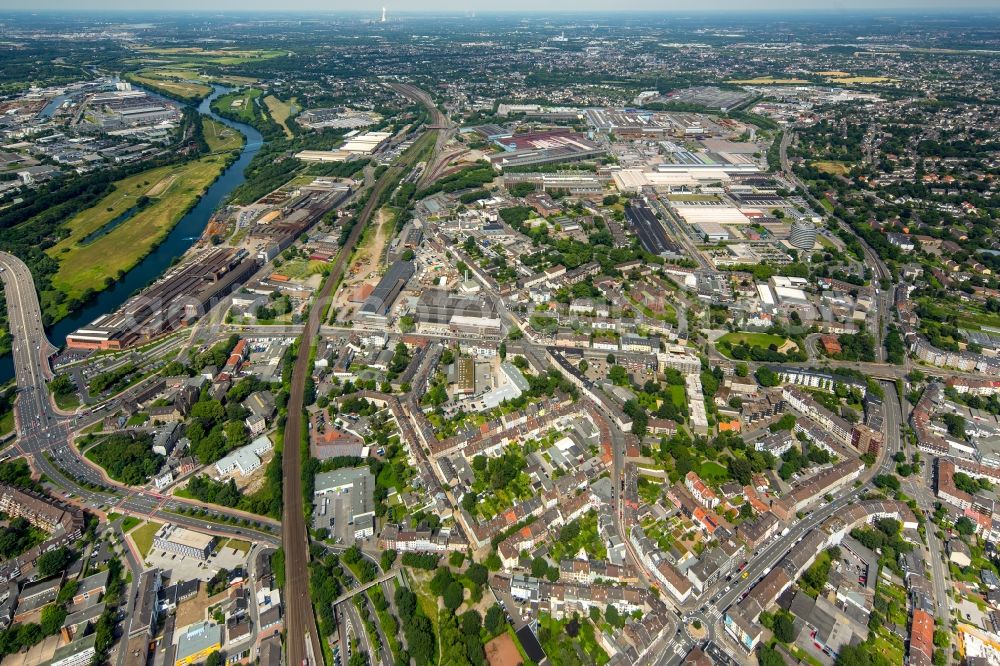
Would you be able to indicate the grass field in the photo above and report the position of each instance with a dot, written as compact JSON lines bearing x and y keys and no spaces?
{"x":7,"y":422}
{"x":280,"y":111}
{"x":220,"y":138}
{"x":187,"y":90}
{"x":129,"y":522}
{"x":143,"y":537}
{"x":173,"y":190}
{"x":677,"y":396}
{"x":242,"y":104}
{"x":753,"y":339}
{"x":67,"y":402}
{"x":833,"y":168}
{"x":237,"y":544}
{"x":300,"y":269}
{"x":193,"y":55}
{"x":713,"y":472}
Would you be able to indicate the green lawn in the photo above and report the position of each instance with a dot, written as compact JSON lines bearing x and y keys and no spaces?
{"x":129,"y":522}
{"x":7,"y":422}
{"x":220,"y":138}
{"x":186,"y":90}
{"x":280,"y":111}
{"x":67,"y":402}
{"x":678,"y":396}
{"x":713,"y":472}
{"x":137,"y":419}
{"x":237,"y":544}
{"x":753,"y":339}
{"x":143,"y":537}
{"x":242,"y":103}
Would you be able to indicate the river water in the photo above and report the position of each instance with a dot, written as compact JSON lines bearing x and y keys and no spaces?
{"x":177,"y":242}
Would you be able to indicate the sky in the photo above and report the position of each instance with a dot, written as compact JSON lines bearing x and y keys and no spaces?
{"x":741,"y":6}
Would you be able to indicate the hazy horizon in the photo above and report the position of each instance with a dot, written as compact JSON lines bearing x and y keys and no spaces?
{"x":511,"y":6}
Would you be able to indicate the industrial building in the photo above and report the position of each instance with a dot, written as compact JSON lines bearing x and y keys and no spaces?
{"x":377,"y":305}
{"x":651,"y":234}
{"x":544,"y":148}
{"x":176,"y":300}
{"x":367,"y":143}
{"x":344,"y":502}
{"x":440,"y":312}
{"x":197,"y":641}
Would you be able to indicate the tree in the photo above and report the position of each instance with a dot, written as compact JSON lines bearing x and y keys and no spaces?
{"x":613,"y":617}
{"x":767,"y":656}
{"x":54,"y":561}
{"x":495,"y":620}
{"x":52,"y":619}
{"x":965,"y":526}
{"x":477,"y":573}
{"x":388,"y":559}
{"x":62,"y":385}
{"x":784,"y":628}
{"x":214,"y":659}
{"x":453,"y":595}
{"x":786,"y":422}
{"x":740,"y":470}
{"x":767,"y":377}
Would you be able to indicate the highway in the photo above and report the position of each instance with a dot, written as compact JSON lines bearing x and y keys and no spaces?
{"x":31,"y":350}
{"x":44,"y":435}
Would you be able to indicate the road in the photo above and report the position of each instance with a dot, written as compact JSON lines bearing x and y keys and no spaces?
{"x":31,"y":350}
{"x":303,"y":641}
{"x":765,"y":559}
{"x":43,"y":432}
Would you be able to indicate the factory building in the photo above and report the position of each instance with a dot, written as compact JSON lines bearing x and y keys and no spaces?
{"x":176,"y":300}
{"x":378,"y":303}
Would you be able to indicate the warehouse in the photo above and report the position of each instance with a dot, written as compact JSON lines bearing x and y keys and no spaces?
{"x":176,"y":300}
{"x":377,"y":305}
{"x":344,"y":503}
{"x":651,"y":233}
{"x":367,"y":143}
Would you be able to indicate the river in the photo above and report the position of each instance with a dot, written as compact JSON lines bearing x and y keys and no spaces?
{"x":177,"y":242}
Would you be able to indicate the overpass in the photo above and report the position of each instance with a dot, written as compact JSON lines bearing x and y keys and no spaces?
{"x":387,"y":576}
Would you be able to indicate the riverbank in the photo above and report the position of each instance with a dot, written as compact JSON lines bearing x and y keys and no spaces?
{"x":176,"y":243}
{"x":163,"y":195}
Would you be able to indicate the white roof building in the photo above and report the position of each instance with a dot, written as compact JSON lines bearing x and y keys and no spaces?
{"x":245,"y":459}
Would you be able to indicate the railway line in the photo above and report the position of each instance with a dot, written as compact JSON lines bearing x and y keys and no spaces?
{"x":303,"y":644}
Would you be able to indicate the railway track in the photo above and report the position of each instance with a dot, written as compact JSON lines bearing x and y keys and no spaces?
{"x":303,"y":644}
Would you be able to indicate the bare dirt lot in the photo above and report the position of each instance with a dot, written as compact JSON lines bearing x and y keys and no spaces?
{"x":367,"y":261}
{"x":501,"y":651}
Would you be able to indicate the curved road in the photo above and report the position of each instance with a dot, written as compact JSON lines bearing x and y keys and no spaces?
{"x":43,"y":432}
